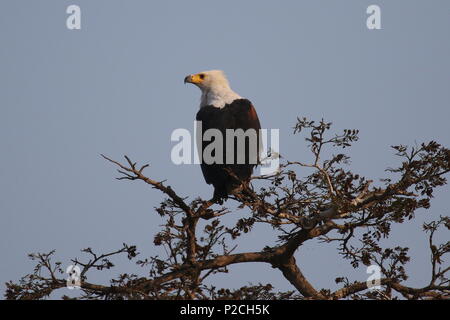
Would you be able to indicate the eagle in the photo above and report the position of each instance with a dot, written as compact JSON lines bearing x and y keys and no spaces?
{"x":224,"y":111}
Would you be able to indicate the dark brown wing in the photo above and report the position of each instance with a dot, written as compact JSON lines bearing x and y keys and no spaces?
{"x":240,"y":114}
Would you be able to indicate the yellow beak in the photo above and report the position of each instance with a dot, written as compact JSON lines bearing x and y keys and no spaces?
{"x":193,"y":78}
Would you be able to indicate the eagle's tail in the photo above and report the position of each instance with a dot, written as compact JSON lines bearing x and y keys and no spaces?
{"x":220,"y":194}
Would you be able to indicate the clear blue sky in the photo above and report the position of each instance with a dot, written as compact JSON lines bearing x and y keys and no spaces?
{"x":116,"y":87}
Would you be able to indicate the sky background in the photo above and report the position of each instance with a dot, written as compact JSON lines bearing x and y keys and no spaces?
{"x":116,"y":87}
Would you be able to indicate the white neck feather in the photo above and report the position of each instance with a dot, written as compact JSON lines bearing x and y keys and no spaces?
{"x":218,"y":96}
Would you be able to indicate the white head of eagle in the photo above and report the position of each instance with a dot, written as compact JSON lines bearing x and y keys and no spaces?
{"x":222,"y":109}
{"x":215,"y":88}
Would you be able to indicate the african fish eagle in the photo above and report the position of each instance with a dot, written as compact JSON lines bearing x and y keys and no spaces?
{"x":223,"y":109}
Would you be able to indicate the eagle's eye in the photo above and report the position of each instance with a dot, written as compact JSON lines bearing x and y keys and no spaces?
{"x":202,"y":76}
